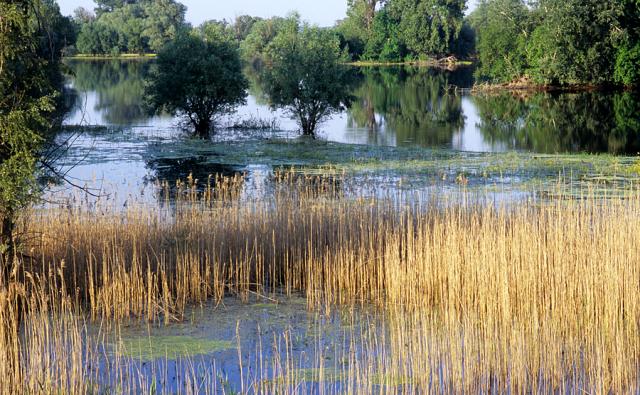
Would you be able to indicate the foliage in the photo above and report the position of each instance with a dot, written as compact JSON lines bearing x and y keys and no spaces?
{"x":357,"y":29}
{"x":262,"y":33}
{"x":384,"y":42}
{"x":134,"y":27}
{"x":305,"y":75}
{"x":558,"y":42}
{"x":31,"y":43}
{"x":198,"y":79}
{"x":627,"y":69}
{"x":429,"y":27}
{"x":502,"y":32}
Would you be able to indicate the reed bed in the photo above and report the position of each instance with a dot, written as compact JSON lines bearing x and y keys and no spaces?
{"x":536,"y":297}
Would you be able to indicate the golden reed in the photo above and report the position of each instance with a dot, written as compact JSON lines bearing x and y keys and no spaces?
{"x":531,"y":297}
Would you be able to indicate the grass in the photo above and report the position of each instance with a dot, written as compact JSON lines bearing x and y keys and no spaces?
{"x":539,"y":297}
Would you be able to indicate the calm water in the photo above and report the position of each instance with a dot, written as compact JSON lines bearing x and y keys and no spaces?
{"x":398,"y":114}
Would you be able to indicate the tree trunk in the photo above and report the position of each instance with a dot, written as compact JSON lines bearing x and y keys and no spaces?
{"x":203,"y":129}
{"x":7,"y":247}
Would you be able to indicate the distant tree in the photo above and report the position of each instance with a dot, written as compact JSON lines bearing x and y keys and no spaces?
{"x":216,"y":31}
{"x":429,"y":28}
{"x":198,"y":80}
{"x":163,"y":21}
{"x":111,"y":5}
{"x":503,"y":28}
{"x":243,"y":24}
{"x":559,"y":42}
{"x":384,"y":42}
{"x":262,"y":34}
{"x":83,"y":16}
{"x":131,"y":26}
{"x":627,"y":67}
{"x":363,"y":12}
{"x":306,"y":76}
{"x":574,"y":41}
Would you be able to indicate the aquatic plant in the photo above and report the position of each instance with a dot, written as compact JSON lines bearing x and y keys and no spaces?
{"x":542,"y":297}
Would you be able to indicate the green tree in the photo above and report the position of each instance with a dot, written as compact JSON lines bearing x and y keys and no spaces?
{"x":306,"y":76}
{"x":429,"y":28}
{"x":253,"y":48}
{"x":198,"y":80}
{"x":384,"y":41}
{"x":131,"y":26}
{"x":243,"y":25}
{"x":30,"y":55}
{"x":503,"y":28}
{"x":574,"y":41}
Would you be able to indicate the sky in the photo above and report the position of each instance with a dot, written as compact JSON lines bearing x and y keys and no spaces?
{"x":320,"y":12}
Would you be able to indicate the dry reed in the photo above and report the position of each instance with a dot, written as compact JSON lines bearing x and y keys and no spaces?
{"x":532,"y":298}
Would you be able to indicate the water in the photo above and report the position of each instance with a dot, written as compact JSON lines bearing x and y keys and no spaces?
{"x":400,"y":115}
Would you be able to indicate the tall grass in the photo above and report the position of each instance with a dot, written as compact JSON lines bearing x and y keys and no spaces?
{"x":537,"y":297}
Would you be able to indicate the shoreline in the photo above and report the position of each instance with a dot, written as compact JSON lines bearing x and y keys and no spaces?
{"x":127,"y":56}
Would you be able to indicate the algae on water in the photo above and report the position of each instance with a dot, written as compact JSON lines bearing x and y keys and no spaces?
{"x":169,"y":347}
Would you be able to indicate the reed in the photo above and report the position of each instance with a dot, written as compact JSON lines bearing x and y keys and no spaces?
{"x":537,"y":297}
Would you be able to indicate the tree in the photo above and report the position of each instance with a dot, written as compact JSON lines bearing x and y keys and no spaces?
{"x":131,"y":26}
{"x":384,"y":43}
{"x":262,"y":34}
{"x":198,"y":80}
{"x":503,"y":28}
{"x":83,"y":16}
{"x":306,"y":77}
{"x":429,"y":28}
{"x":574,"y":41}
{"x":30,"y":52}
{"x":243,"y":24}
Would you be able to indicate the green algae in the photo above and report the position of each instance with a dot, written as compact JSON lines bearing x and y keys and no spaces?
{"x":169,"y":347}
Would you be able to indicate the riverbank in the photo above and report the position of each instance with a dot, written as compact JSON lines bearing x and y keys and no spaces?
{"x":527,"y":85}
{"x":124,"y":56}
{"x":451,"y":62}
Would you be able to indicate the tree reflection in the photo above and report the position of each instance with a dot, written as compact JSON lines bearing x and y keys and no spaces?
{"x":413,"y":103}
{"x":554,"y":123}
{"x":119,"y":86}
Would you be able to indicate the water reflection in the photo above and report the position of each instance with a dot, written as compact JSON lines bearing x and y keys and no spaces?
{"x":551,"y":123}
{"x":402,"y":106}
{"x":412,"y":104}
{"x":110,"y":92}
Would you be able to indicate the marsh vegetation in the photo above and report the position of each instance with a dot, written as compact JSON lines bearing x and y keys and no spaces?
{"x":435,"y":236}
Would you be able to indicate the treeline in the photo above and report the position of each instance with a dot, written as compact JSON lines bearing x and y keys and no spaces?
{"x":404,"y":30}
{"x":128,"y":26}
{"x":558,"y":42}
{"x":552,"y":42}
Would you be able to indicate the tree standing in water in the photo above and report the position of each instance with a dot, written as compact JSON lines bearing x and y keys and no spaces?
{"x":306,"y":76}
{"x":198,"y":79}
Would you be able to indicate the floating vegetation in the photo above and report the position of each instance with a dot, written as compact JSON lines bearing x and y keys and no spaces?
{"x":169,"y":347}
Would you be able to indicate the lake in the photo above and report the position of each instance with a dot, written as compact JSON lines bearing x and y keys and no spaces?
{"x":415,"y":126}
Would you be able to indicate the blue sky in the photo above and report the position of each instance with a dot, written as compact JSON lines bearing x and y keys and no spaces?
{"x":320,"y":12}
